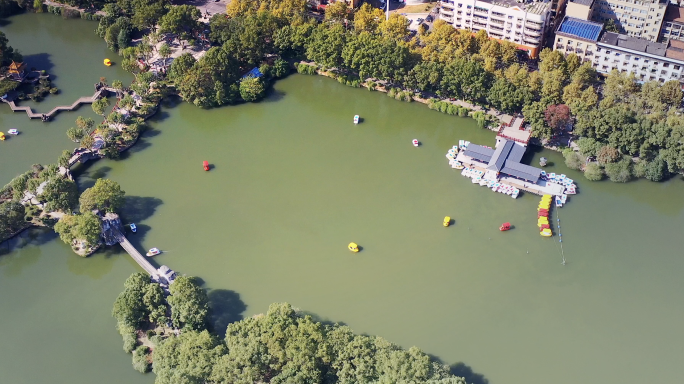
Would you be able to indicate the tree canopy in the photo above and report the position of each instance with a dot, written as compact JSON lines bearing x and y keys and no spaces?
{"x":106,"y":196}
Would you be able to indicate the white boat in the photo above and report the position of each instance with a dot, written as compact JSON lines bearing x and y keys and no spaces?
{"x":496,"y":186}
{"x":356,"y":119}
{"x":564,"y":198}
{"x":153,"y":252}
{"x":134,"y":229}
{"x":483,"y":182}
{"x":464,"y":171}
{"x":415,"y":142}
{"x":457,"y":165}
{"x":13,"y":132}
{"x":515,"y":193}
{"x":476,"y":180}
{"x":559,"y":202}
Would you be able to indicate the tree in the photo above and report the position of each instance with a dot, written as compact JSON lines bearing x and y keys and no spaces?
{"x":557,"y":117}
{"x":281,"y":68}
{"x":326,"y":44}
{"x":146,"y":13}
{"x":534,"y":114}
{"x":367,"y":18}
{"x":671,"y":93}
{"x":106,"y":195}
{"x":506,"y":97}
{"x":607,"y":154}
{"x":79,"y":228}
{"x":129,"y":308}
{"x":181,"y":65}
{"x":656,"y":170}
{"x":252,"y":89}
{"x":189,"y":304}
{"x":140,"y":359}
{"x":100,"y":106}
{"x":165,"y":52}
{"x":337,"y":12}
{"x":593,"y":172}
{"x":87,"y":142}
{"x":396,"y":27}
{"x":552,"y":61}
{"x":75,"y":134}
{"x":610,"y":26}
{"x":374,"y":56}
{"x":188,"y":358}
{"x":64,"y":158}
{"x":181,"y":20}
{"x":7,"y":53}
{"x":60,"y":194}
{"x":11,"y":218}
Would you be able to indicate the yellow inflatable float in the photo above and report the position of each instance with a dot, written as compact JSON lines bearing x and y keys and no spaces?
{"x":353,"y":247}
{"x":545,"y":232}
{"x":447,"y":221}
{"x":107,"y":62}
{"x":2,"y":136}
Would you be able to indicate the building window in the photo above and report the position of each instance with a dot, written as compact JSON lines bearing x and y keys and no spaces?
{"x":676,"y":67}
{"x":666,"y":65}
{"x":560,"y":39}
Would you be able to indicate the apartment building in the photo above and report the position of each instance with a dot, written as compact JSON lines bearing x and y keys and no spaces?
{"x":641,"y":18}
{"x":673,"y":24}
{"x":523,"y":23}
{"x":648,"y":60}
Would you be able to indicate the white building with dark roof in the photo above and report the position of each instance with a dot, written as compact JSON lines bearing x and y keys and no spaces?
{"x":523,"y":22}
{"x":648,"y":60}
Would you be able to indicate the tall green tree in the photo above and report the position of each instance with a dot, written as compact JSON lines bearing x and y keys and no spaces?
{"x":181,"y":20}
{"x":189,"y":304}
{"x":11,"y":218}
{"x":106,"y":195}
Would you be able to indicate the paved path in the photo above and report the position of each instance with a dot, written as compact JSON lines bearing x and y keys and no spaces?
{"x":140,"y":259}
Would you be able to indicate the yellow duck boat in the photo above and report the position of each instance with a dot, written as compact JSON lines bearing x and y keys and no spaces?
{"x":2,"y":136}
{"x":545,"y":232}
{"x":447,"y":221}
{"x":353,"y":247}
{"x":107,"y":62}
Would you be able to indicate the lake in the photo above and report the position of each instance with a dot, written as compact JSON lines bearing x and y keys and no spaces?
{"x":294,"y":181}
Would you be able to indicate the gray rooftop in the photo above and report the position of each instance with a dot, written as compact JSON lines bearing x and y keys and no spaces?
{"x":588,"y":3}
{"x":507,"y":150}
{"x":480,"y":153}
{"x":521,"y":171}
{"x":633,"y":43}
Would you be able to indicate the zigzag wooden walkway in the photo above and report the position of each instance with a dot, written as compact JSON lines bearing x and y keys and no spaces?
{"x":55,"y":110}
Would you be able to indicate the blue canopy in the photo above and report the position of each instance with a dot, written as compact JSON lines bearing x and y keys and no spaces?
{"x":253,"y":73}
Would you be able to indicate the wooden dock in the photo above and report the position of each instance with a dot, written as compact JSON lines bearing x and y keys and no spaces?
{"x":139,"y":258}
{"x":81,"y":100}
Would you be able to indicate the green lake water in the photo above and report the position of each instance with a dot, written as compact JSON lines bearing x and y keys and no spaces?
{"x":294,"y":181}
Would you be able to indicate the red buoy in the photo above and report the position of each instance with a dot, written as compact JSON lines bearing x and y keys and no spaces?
{"x":205,"y":165}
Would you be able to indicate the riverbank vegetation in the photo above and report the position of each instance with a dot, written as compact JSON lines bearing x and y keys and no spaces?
{"x":36,"y":198}
{"x":281,"y":346}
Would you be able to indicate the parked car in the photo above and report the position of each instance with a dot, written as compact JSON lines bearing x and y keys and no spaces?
{"x":420,"y":20}
{"x":429,"y":19}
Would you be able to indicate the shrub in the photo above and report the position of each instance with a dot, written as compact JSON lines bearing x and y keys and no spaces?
{"x":140,"y":362}
{"x":54,"y":90}
{"x":619,"y":172}
{"x":370,"y":85}
{"x":252,"y":89}
{"x":593,"y":172}
{"x":463,"y":111}
{"x":573,"y":159}
{"x":129,"y":341}
{"x":281,"y":68}
{"x":656,"y":170}
{"x":69,"y":13}
{"x":392,"y":92}
{"x":266,"y":69}
{"x":639,"y":169}
{"x":305,"y":69}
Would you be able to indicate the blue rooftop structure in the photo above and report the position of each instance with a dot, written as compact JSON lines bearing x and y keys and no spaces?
{"x":253,"y":73}
{"x":580,"y":28}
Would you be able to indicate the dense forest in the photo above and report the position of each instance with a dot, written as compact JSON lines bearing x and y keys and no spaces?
{"x":170,"y":334}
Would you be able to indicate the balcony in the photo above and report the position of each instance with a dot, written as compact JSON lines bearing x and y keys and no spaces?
{"x":496,"y":28}
{"x":494,"y":21}
{"x":532,"y":41}
{"x":496,"y":35}
{"x":449,"y":20}
{"x":481,"y":25}
{"x":532,"y":32}
{"x":590,"y":53}
{"x":446,"y":12}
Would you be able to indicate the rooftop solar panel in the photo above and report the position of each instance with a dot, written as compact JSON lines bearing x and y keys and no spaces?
{"x":580,"y":28}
